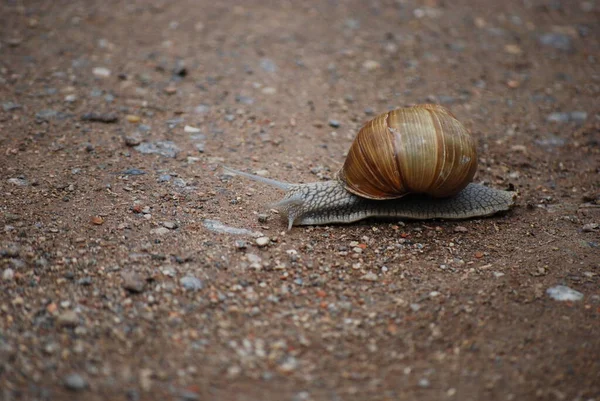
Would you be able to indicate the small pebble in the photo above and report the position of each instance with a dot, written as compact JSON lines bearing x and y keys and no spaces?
{"x":70,"y":98}
{"x":269,"y":90}
{"x":564,"y":293}
{"x":370,"y":276}
{"x":588,"y":228}
{"x":559,"y":41}
{"x":460,"y":229}
{"x":133,"y":140}
{"x":241,"y":244}
{"x":160,"y":230}
{"x":132,"y":118}
{"x":262,"y":241}
{"x":93,"y":116}
{"x":424,"y":383}
{"x":8,"y":274}
{"x":262,"y":218}
{"x":191,"y":283}
{"x":10,"y":106}
{"x":288,"y":365}
{"x":133,"y":281}
{"x":163,"y":148}
{"x":170,"y":225}
{"x":18,"y":181}
{"x":75,"y":382}
{"x":334,"y":123}
{"x":190,"y":129}
{"x":268,"y":65}
{"x":371,"y":65}
{"x":68,"y":319}
{"x":101,"y":72}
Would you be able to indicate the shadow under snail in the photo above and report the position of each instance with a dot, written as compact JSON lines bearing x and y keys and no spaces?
{"x":410,"y":163}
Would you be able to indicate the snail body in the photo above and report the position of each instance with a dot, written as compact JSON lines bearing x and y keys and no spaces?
{"x":411,"y":163}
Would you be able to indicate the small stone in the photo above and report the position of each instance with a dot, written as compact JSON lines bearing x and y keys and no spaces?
{"x":163,"y":148}
{"x":334,"y":123}
{"x":262,"y":218}
{"x":460,"y":229}
{"x":68,"y":319}
{"x":170,"y":90}
{"x":8,"y":274}
{"x":75,"y":382}
{"x":10,"y":106}
{"x":160,"y":231}
{"x":578,"y":116}
{"x":133,"y":171}
{"x":255,"y":260}
{"x":180,"y":70}
{"x":513,"y":49}
{"x":371,"y":65}
{"x":191,"y":130}
{"x":133,"y":281}
{"x":288,"y":365}
{"x":241,"y":244}
{"x":106,"y":118}
{"x":424,"y":383}
{"x":262,"y":241}
{"x":101,"y":72}
{"x":18,"y":181}
{"x":170,"y":225}
{"x":588,"y":228}
{"x":558,"y":117}
{"x":132,"y":118}
{"x":559,"y":41}
{"x":191,"y":283}
{"x":201,"y":109}
{"x":70,"y":98}
{"x":133,"y":140}
{"x":97,"y":220}
{"x":370,"y":276}
{"x":269,"y":90}
{"x":268,"y":65}
{"x":498,"y":274}
{"x":564,"y":293}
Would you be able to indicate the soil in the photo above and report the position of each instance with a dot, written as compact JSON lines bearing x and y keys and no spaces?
{"x":115,"y":288}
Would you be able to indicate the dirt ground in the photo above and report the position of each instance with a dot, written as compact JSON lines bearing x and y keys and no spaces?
{"x":116,"y":119}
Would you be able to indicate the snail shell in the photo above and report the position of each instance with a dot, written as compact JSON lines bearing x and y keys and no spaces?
{"x":419,"y":149}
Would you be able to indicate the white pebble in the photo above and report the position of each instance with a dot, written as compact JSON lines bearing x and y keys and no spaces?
{"x":101,"y":72}
{"x":190,"y":129}
{"x":8,"y":274}
{"x":564,"y":293}
{"x":262,"y":241}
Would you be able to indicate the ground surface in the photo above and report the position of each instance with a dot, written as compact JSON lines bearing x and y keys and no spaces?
{"x":114,"y":288}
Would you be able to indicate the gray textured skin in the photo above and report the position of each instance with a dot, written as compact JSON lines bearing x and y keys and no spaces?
{"x":328,"y":202}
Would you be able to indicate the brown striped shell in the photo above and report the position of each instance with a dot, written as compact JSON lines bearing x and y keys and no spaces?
{"x":419,"y":149}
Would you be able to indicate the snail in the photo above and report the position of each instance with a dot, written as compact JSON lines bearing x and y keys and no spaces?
{"x":410,"y":163}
